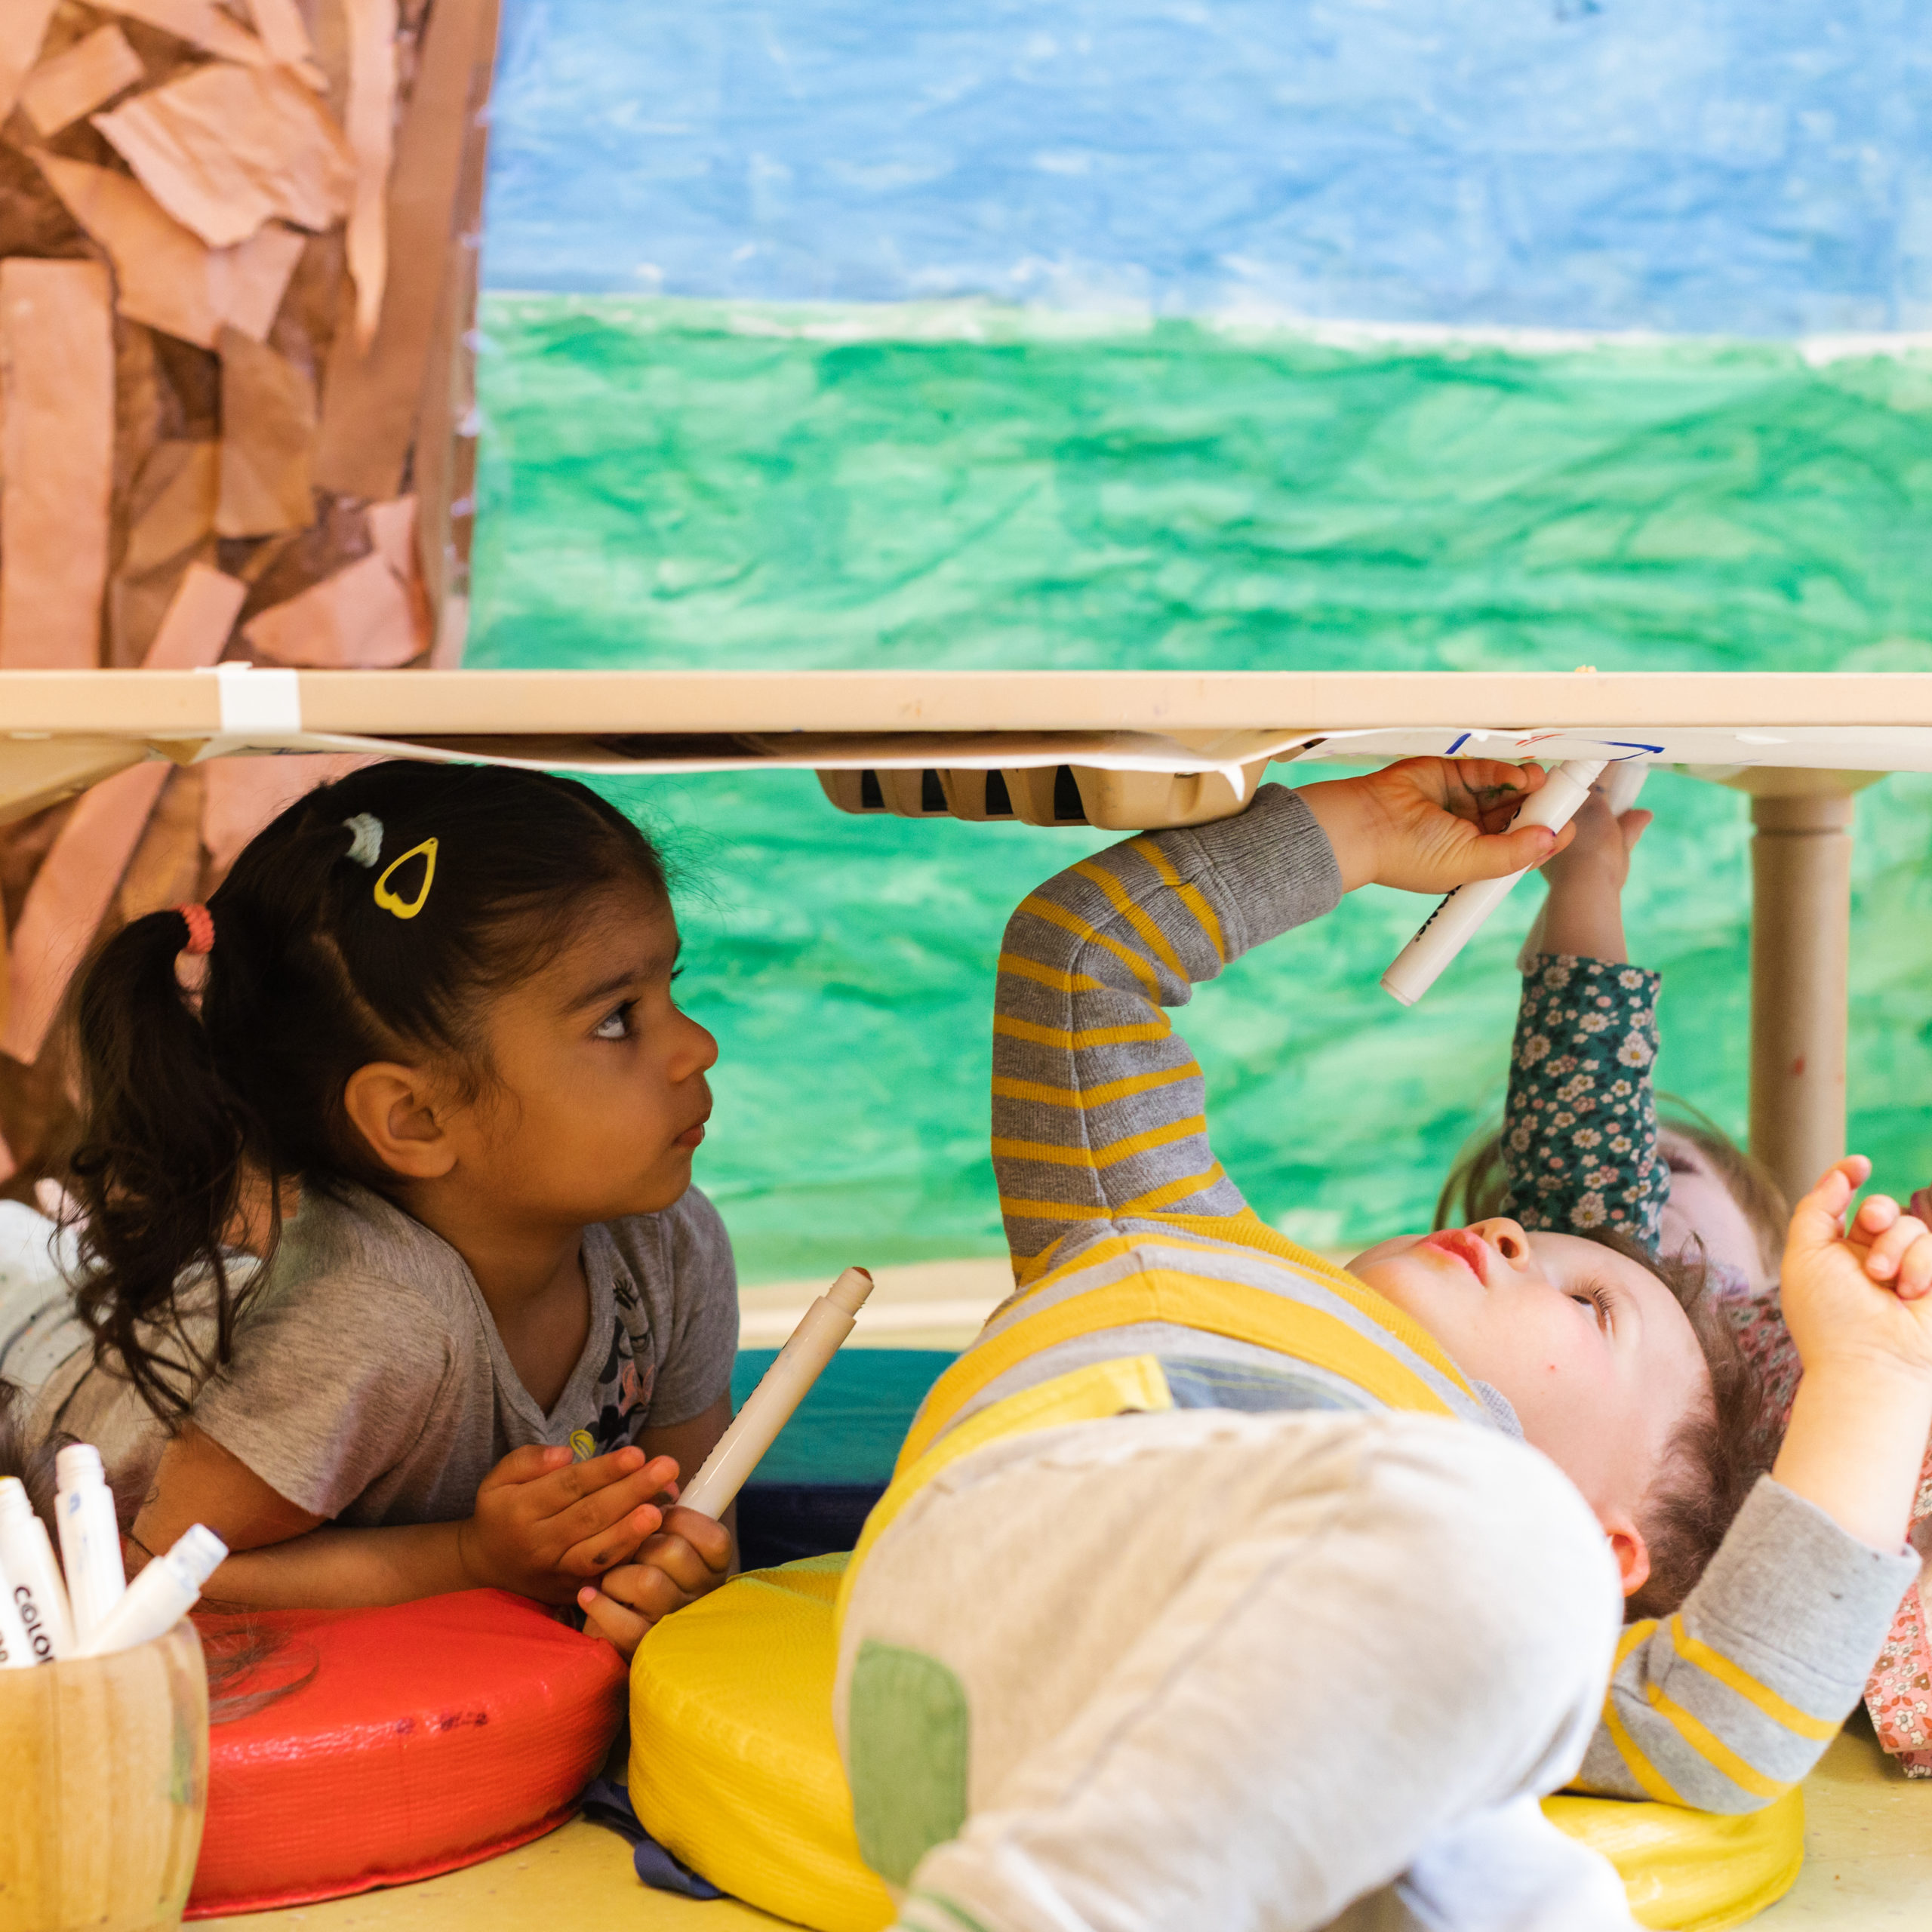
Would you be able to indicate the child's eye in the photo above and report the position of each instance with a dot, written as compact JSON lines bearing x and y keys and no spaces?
{"x":1598,"y":1299}
{"x":615,"y":1025}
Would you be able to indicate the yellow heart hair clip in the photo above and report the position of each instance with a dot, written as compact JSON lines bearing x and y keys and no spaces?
{"x":390,"y":902}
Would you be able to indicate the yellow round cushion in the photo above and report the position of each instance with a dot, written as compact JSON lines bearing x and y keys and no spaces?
{"x":735,"y":1768}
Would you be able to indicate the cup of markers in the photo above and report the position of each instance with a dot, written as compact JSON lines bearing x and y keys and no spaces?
{"x":104,"y":1713}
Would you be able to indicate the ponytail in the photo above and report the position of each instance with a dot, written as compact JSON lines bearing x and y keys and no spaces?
{"x":157,"y":1175}
{"x":200,"y":1104}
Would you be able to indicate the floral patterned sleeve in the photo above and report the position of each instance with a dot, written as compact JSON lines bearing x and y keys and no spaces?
{"x":1580,"y":1133}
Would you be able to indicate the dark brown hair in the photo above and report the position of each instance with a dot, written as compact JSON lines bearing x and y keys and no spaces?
{"x":200,"y":1105}
{"x":1714,"y":1455}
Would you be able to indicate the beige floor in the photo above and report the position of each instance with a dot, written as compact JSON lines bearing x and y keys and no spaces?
{"x":1869,"y":1867}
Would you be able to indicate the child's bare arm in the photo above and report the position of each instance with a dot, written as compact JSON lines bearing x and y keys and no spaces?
{"x":1858,"y":1302}
{"x":1583,"y":916}
{"x":542,"y":1525}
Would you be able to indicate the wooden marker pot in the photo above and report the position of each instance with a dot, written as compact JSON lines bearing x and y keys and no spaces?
{"x":105,"y":1765}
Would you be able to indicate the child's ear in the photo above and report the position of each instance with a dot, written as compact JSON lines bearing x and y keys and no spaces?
{"x":396,"y":1111}
{"x":1632,"y":1552}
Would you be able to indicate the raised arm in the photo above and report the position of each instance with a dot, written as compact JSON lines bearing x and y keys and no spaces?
{"x":1580,"y":1131}
{"x":1728,"y":1704}
{"x":1097,"y":1103}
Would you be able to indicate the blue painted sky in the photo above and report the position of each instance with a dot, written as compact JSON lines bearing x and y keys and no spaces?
{"x":1719,"y":166}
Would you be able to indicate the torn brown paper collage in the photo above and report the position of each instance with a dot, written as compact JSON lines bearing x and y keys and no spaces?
{"x":23,"y":27}
{"x":368,"y":121}
{"x":271,"y":307}
{"x":77,"y":879}
{"x":166,"y":277}
{"x":363,"y":618}
{"x":57,"y":419}
{"x":199,"y":22}
{"x":88,"y":75}
{"x":225,"y":149}
{"x":268,"y":417}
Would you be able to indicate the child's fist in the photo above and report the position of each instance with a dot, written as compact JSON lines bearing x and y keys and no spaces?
{"x":1432,"y":824}
{"x":1863,"y":1294}
{"x":1599,"y":855}
{"x":688,"y":1559}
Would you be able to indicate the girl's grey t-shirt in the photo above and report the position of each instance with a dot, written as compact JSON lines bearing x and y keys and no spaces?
{"x":369,"y":1384}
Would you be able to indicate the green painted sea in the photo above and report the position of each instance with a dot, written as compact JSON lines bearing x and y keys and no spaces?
{"x":670,"y":483}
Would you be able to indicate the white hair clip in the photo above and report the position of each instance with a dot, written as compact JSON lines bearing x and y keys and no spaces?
{"x":366,"y":845}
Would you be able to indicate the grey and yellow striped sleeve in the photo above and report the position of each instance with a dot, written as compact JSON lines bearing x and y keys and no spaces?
{"x":1097,"y":1105}
{"x":1729,"y":1703}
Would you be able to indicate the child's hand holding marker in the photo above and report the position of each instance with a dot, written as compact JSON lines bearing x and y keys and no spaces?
{"x":1858,"y":1301}
{"x":687,"y":1559}
{"x":1432,"y":824}
{"x":543,"y":1524}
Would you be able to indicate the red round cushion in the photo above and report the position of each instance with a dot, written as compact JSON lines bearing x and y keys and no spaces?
{"x":420,"y":1738}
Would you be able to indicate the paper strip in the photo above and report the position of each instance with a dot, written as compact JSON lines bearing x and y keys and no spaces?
{"x":224,"y":148}
{"x":368,"y":120}
{"x":371,"y":399}
{"x":166,"y":868}
{"x":164,"y":275}
{"x":360,"y":618}
{"x":195,"y":631}
{"x":93,"y":70}
{"x":178,"y":489}
{"x":393,"y":530}
{"x":280,"y":24}
{"x":69,"y":894}
{"x":268,"y":417}
{"x":83,"y":869}
{"x":23,"y":27}
{"x":57,"y":455}
{"x":246,"y":284}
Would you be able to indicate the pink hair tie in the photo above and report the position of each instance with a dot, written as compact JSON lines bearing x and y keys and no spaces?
{"x":200,"y":922}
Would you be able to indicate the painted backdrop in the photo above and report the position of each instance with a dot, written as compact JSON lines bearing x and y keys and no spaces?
{"x":1256,"y":333}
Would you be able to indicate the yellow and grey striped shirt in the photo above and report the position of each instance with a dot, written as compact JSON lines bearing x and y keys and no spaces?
{"x":1144,"y":1280}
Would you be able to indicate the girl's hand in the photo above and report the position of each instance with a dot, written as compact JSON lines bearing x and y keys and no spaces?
{"x":1599,"y":856}
{"x":1584,"y":913}
{"x":1431,"y":824}
{"x":544,"y":1523}
{"x":1858,"y":1299}
{"x":688,"y":1559}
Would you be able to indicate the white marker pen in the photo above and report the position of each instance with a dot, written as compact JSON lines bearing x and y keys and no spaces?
{"x":783,"y":1387}
{"x":1454,"y":922}
{"x":1619,"y":784}
{"x":161,"y":1595}
{"x":90,"y":1539}
{"x":16,"y":1649}
{"x":33,"y":1578}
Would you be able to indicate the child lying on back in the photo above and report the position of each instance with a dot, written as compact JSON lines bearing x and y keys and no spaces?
{"x":1581,"y":1145}
{"x":434,"y":1006}
{"x":1219,"y":1586}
